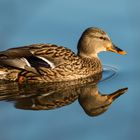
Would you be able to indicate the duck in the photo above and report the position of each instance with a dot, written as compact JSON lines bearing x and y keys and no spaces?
{"x":52,"y":63}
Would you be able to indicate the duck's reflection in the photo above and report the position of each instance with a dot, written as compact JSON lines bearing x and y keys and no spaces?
{"x":55,"y":95}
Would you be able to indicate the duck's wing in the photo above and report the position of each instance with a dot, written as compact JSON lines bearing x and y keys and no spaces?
{"x":53,"y":53}
{"x":23,"y":58}
{"x":34,"y":56}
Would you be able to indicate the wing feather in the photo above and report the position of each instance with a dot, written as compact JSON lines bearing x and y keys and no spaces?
{"x":23,"y":59}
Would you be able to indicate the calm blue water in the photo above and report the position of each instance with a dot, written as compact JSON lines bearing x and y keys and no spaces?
{"x":62,"y":22}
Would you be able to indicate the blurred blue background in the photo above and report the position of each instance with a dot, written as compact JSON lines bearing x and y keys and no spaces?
{"x":62,"y":22}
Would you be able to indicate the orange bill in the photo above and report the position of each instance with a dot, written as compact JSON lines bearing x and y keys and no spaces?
{"x":115,"y":49}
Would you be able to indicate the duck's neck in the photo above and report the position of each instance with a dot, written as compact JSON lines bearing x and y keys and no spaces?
{"x":86,"y":48}
{"x":88,"y":53}
{"x":92,"y":61}
{"x":83,"y":51}
{"x":83,"y":55}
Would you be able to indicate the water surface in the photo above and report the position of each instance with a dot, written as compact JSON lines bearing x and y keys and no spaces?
{"x":62,"y":22}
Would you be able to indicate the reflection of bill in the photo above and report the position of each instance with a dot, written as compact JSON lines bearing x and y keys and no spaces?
{"x":95,"y":103}
{"x":55,"y":95}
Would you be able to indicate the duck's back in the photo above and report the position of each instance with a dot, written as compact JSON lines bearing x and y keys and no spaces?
{"x":56,"y":54}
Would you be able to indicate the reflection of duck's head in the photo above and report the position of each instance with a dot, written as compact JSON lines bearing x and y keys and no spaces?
{"x":94,"y":41}
{"x":94,"y":103}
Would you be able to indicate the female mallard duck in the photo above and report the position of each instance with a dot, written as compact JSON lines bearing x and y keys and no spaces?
{"x":51,"y":63}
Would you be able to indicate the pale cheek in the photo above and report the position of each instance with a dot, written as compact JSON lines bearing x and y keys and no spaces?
{"x":101,"y":48}
{"x":109,"y":45}
{"x":104,"y":49}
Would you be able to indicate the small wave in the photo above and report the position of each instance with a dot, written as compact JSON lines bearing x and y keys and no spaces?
{"x":109,"y":72}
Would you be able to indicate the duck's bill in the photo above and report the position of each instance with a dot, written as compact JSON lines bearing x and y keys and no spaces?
{"x":115,"y":49}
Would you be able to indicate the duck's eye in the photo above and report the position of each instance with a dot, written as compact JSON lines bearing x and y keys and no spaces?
{"x":103,"y":38}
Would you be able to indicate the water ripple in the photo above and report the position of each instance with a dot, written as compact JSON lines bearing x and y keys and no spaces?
{"x":109,"y":72}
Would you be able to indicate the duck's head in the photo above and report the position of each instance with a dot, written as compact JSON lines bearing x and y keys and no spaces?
{"x":94,"y":41}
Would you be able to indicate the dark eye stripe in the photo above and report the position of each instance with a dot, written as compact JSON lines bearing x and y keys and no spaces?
{"x":103,"y":38}
{"x":100,"y":37}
